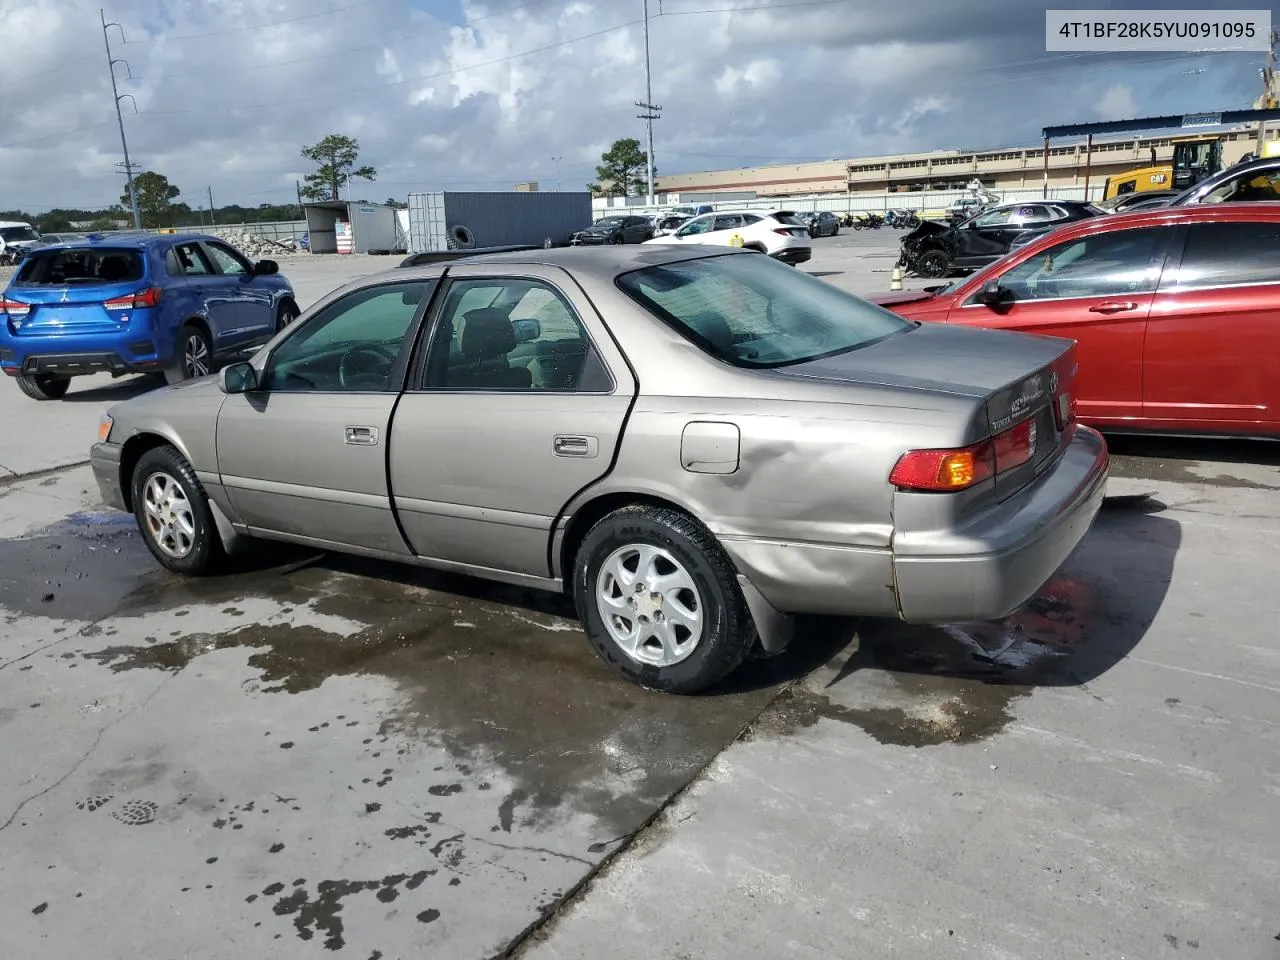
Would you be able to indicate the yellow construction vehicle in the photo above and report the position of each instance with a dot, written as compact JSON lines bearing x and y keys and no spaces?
{"x":1194,"y":159}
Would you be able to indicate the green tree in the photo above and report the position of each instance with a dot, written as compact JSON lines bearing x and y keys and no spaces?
{"x":155,"y":198}
{"x":335,"y":158}
{"x":622,"y":171}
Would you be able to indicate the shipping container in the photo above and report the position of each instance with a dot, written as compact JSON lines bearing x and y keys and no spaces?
{"x":449,"y":219}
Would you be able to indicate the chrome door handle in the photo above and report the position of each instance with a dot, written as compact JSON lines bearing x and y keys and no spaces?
{"x":1113,"y":306}
{"x":575,"y":446}
{"x":362,"y":436}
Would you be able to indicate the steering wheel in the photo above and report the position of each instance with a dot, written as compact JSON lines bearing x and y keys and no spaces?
{"x":376,"y":356}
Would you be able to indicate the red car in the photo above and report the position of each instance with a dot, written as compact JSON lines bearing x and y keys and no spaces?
{"x":1176,"y":312}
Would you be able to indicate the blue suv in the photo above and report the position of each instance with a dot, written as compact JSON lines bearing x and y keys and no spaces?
{"x":136,"y":304}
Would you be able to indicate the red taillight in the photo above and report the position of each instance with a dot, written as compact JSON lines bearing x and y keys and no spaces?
{"x":942,"y":470}
{"x":14,"y":308}
{"x":937,"y":470}
{"x":1015,"y":446}
{"x":135,"y":301}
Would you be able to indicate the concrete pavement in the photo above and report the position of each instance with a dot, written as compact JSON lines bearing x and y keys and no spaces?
{"x":1094,"y":779}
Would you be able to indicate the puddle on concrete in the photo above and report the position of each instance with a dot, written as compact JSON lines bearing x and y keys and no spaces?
{"x":925,"y":686}
{"x":1196,"y":472}
{"x":489,"y":682}
{"x":77,"y":568}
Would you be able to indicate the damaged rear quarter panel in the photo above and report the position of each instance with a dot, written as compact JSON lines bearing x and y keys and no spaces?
{"x":807,"y":516}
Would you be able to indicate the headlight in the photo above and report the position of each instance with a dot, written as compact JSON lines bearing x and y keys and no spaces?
{"x":104,"y":427}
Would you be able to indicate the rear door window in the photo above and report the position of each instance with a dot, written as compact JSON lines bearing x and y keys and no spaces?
{"x":81,"y":265}
{"x":1229,"y":254}
{"x":188,"y":260}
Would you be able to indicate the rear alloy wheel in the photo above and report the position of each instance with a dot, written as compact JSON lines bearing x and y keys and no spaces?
{"x":193,"y":358}
{"x":933,"y":263}
{"x":285,"y":316}
{"x":659,"y":600}
{"x":173,"y":513}
{"x":43,"y":386}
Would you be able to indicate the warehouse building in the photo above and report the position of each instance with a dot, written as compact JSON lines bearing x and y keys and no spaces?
{"x":1014,"y":168}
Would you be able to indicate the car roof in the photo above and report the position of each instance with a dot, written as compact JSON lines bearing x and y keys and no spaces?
{"x":131,"y":239}
{"x":1256,"y":211}
{"x":604,"y":263}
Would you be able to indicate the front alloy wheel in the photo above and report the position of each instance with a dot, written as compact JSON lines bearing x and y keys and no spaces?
{"x":173,"y":513}
{"x":167,"y":515}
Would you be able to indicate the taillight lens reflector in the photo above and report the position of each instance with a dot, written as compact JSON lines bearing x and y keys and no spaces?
{"x":1015,"y":446}
{"x":14,"y":308}
{"x":939,"y":471}
{"x":135,"y":301}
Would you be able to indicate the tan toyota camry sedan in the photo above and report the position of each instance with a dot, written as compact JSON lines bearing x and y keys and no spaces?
{"x":696,"y":444}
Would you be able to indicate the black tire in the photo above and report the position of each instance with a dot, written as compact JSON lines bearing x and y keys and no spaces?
{"x":285,"y":315}
{"x":206,"y":554}
{"x":728,"y":631}
{"x":183,"y":364}
{"x":835,"y":231}
{"x":43,"y":386}
{"x":933,"y":264}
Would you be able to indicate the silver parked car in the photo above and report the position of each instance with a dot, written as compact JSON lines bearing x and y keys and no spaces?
{"x":696,"y":443}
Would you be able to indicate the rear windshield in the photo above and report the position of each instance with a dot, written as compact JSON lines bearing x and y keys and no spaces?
{"x":80,"y":265}
{"x":790,"y":219}
{"x":752,"y":311}
{"x":18,"y":234}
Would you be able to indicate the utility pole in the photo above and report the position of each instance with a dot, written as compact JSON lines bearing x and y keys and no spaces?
{"x":1268,"y":99}
{"x":652,"y":112}
{"x":210,"y":189}
{"x":115,"y":93}
{"x":556,"y":160}
{"x":298,"y":187}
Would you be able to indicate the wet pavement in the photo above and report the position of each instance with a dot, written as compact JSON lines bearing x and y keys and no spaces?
{"x":319,"y":755}
{"x":1094,"y":776}
{"x":313,"y":753}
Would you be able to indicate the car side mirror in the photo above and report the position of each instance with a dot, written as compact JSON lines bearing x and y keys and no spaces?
{"x":265,"y":268}
{"x":238,"y":378}
{"x":991,"y":294}
{"x":526,"y":330}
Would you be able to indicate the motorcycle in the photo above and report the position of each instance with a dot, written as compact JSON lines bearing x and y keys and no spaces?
{"x":902,"y":219}
{"x":868,"y":221}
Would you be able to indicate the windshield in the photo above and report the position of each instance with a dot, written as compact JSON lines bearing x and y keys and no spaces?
{"x":80,"y":265}
{"x":606,"y":222}
{"x":752,"y":311}
{"x":18,"y":234}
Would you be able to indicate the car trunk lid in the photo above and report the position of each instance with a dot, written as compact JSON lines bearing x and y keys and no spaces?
{"x":1023,"y":387}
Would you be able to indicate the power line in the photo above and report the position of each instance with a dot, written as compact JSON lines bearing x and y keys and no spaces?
{"x":258,"y":26}
{"x":118,"y":96}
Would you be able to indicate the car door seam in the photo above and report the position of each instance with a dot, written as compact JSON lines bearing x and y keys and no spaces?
{"x":617,"y":446}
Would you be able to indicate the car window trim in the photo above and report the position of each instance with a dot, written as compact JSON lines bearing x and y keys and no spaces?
{"x":416,"y":382}
{"x":399,"y":370}
{"x":1176,"y":242}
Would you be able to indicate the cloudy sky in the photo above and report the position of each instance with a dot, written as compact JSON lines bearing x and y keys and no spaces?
{"x":461,"y":94}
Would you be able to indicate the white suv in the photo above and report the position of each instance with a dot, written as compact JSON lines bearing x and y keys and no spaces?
{"x":779,"y":233}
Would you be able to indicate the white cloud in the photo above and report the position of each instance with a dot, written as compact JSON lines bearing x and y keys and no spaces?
{"x":228,"y":91}
{"x":1118,"y":103}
